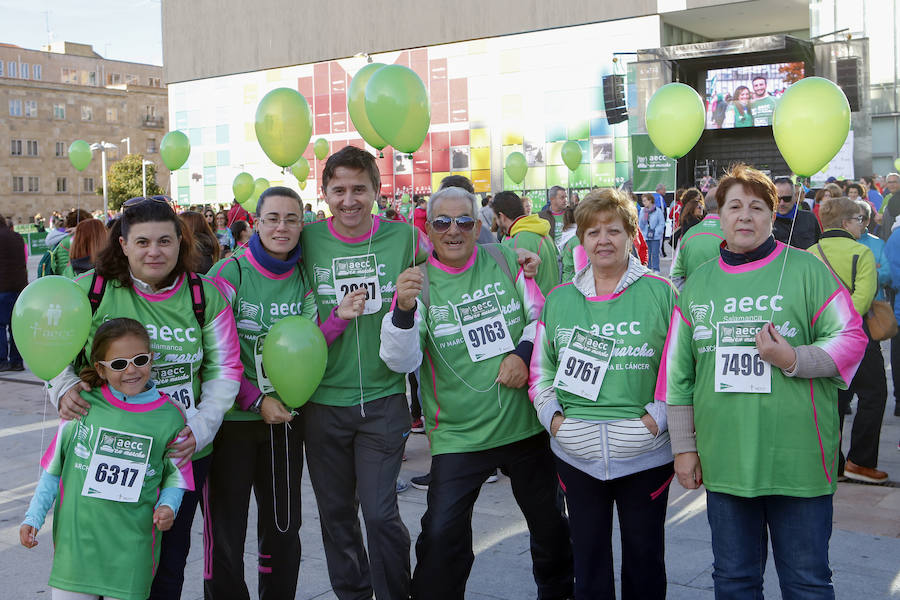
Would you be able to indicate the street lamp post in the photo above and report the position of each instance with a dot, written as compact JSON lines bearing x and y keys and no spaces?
{"x":127,"y":142}
{"x":144,"y":164}
{"x":103,"y":147}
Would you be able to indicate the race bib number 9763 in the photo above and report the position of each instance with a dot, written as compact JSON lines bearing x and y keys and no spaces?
{"x":484,"y":328}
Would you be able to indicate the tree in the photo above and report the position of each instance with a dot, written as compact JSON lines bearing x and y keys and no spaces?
{"x":124,"y":180}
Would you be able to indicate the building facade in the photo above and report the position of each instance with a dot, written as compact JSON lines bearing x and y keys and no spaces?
{"x":66,"y":92}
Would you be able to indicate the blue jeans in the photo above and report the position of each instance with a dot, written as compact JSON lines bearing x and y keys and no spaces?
{"x":653,"y":247}
{"x":800,"y":528}
{"x":8,"y":350}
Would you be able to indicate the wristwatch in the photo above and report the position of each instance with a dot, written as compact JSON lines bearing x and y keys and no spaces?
{"x":256,"y":407}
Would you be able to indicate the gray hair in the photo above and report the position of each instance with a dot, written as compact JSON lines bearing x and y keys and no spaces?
{"x":452,"y":193}
{"x":554,"y":191}
{"x":866,"y":207}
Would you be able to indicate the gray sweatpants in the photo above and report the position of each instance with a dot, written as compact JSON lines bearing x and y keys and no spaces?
{"x":354,"y":461}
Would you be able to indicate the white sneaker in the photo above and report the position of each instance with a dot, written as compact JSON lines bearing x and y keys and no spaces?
{"x":493,"y":478}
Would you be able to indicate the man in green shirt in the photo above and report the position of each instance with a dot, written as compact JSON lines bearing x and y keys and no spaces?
{"x":474,"y":329}
{"x":530,"y":232}
{"x":762,"y":105}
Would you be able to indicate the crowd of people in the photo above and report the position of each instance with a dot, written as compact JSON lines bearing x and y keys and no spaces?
{"x":555,"y":351}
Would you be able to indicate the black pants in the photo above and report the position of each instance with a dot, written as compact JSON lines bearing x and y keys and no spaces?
{"x":640,"y":499}
{"x":266,"y":458}
{"x":353,"y":462}
{"x":895,"y":372}
{"x":176,"y":542}
{"x":444,"y":548}
{"x":870,"y":387}
{"x":415,"y":408}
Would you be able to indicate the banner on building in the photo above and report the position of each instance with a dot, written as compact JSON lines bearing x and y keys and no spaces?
{"x":650,"y":167}
{"x":840,"y":167}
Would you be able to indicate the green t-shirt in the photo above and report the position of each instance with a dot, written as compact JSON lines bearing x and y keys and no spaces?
{"x":353,"y":358}
{"x":457,"y":417}
{"x":745,"y":120}
{"x":183,"y":354}
{"x":557,"y":226}
{"x":104,"y":546}
{"x":753,"y":443}
{"x":636,"y":320}
{"x":699,"y":245}
{"x":763,"y":109}
{"x":59,"y":256}
{"x":259,"y":299}
{"x":573,"y":257}
{"x":548,"y":271}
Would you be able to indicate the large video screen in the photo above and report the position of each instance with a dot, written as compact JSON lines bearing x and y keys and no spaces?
{"x":746,"y":96}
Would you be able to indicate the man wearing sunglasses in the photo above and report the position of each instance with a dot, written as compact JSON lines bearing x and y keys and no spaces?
{"x":806,"y":227}
{"x":475,"y":324}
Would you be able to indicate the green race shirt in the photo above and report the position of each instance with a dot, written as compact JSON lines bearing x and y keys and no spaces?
{"x":259,"y":299}
{"x":59,"y":256}
{"x":573,"y":257}
{"x":783,"y":442}
{"x":548,"y":271}
{"x":762,"y":110}
{"x":457,"y":417}
{"x":636,"y":320}
{"x":184,"y":355}
{"x":557,"y":226}
{"x":376,"y":259}
{"x":103,"y":546}
{"x":699,"y":245}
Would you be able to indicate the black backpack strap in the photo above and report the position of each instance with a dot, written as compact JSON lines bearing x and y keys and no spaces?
{"x":96,"y":291}
{"x":198,"y":297}
{"x":425,"y":296}
{"x":853,"y":274}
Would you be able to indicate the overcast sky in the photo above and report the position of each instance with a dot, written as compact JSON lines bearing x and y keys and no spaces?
{"x":117,"y":29}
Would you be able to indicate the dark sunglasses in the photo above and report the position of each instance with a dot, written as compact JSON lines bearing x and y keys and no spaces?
{"x":785,"y":199}
{"x":132,"y":202}
{"x":442,"y":224}
{"x":120,"y":364}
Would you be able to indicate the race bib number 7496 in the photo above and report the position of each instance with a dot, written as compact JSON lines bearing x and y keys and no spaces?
{"x":739,"y":368}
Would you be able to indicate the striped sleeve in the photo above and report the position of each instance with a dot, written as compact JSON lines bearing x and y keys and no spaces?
{"x":837,"y":329}
{"x":675,"y":381}
{"x":177,"y":475}
{"x":541,"y":374}
{"x":52,"y":460}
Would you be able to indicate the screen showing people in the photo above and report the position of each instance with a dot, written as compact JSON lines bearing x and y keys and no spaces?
{"x":746,"y":96}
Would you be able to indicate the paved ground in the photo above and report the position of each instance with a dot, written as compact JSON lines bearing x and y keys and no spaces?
{"x":864,"y":550}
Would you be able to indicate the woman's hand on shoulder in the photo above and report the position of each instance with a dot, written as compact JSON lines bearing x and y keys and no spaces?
{"x":183,"y":446}
{"x":71,"y":405}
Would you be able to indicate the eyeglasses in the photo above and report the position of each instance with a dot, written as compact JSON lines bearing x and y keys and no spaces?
{"x":859,"y":219}
{"x":785,"y":199}
{"x":273,"y":221}
{"x":132,"y":202}
{"x":442,"y":224}
{"x":120,"y":364}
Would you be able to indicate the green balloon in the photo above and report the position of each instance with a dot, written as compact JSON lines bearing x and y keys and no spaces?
{"x":897,"y":164}
{"x":321,"y":148}
{"x":398,"y":108}
{"x":242,"y":187}
{"x":283,"y":125}
{"x":175,"y":149}
{"x":80,"y":154}
{"x":571,"y":154}
{"x":517,"y":166}
{"x":301,"y":169}
{"x":810,"y":123}
{"x":356,"y":106}
{"x":302,"y":184}
{"x":51,"y":321}
{"x":675,"y":119}
{"x":294,"y":357}
{"x":259,"y":186}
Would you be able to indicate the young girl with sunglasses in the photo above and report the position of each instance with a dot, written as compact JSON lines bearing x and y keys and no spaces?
{"x":110,"y":476}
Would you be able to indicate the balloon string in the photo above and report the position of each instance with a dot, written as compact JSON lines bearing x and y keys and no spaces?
{"x":43,"y":422}
{"x":287,"y":458}
{"x":362,"y":407}
{"x":786,"y":250}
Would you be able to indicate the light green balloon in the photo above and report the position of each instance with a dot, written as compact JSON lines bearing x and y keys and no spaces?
{"x":259,"y":186}
{"x":294,"y":357}
{"x":302,"y":184}
{"x":571,"y":154}
{"x":356,"y":106}
{"x":80,"y":154}
{"x":897,"y":163}
{"x":810,"y":124}
{"x":398,"y":108}
{"x":175,"y":149}
{"x":301,"y":169}
{"x":321,"y":148}
{"x":283,"y":125}
{"x":675,"y":119}
{"x":50,"y":323}
{"x":242,"y":187}
{"x":517,"y":166}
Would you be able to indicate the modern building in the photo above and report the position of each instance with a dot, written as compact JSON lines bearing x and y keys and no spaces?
{"x":509,"y":76}
{"x":62,"y":93}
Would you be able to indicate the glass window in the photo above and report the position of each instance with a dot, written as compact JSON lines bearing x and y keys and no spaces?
{"x":31,"y":108}
{"x":112,"y":115}
{"x":1,"y":68}
{"x":88,"y":184}
{"x":151,"y":146}
{"x":15,"y":108}
{"x":31,"y":148}
{"x":12,"y":68}
{"x":113,"y":78}
{"x":61,"y":184}
{"x":92,"y":78}
{"x":59,"y":111}
{"x":15,"y":147}
{"x":23,"y":69}
{"x":34,"y":184}
{"x":18,"y":184}
{"x":61,"y":149}
{"x":38,"y":72}
{"x":87,"y":113}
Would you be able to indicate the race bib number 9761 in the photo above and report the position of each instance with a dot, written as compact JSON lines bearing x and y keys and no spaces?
{"x":583,"y":364}
{"x":739,"y":368}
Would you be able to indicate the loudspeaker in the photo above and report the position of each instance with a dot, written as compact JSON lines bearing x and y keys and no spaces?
{"x":848,"y":80}
{"x":614,"y":98}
